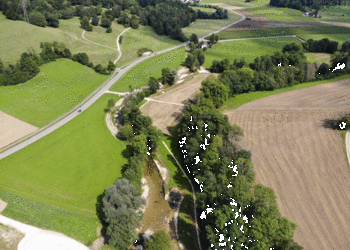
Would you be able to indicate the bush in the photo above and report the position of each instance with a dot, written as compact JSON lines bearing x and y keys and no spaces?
{"x":120,"y":39}
{"x":159,"y":240}
{"x":95,"y":21}
{"x":106,"y":23}
{"x":82,"y":58}
{"x":98,"y":68}
{"x":109,"y":30}
{"x":143,"y":50}
{"x":126,"y":132}
{"x":37,"y":19}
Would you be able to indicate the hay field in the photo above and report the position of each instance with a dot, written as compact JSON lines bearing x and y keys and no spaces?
{"x":303,"y":161}
{"x":12,"y":129}
{"x":165,"y":115}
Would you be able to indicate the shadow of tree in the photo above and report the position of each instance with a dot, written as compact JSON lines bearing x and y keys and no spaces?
{"x":127,"y":152}
{"x":100,"y":214}
{"x":335,"y":122}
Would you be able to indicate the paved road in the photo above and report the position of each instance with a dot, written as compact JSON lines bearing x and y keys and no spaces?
{"x":10,"y":149}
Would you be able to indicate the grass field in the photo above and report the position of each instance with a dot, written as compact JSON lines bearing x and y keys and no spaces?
{"x":340,"y":38}
{"x":336,"y":14}
{"x":203,"y":27}
{"x":59,"y":87}
{"x":75,"y":225}
{"x":331,"y":32}
{"x":70,"y":167}
{"x":318,"y":57}
{"x":138,"y":75}
{"x":249,"y":49}
{"x":240,"y":3}
{"x":238,"y":100}
{"x":209,"y":10}
{"x":143,"y":37}
{"x":17,"y":37}
{"x":282,"y":14}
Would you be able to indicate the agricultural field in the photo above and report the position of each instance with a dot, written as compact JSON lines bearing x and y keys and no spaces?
{"x":336,"y":14}
{"x":249,"y":49}
{"x":167,"y":113}
{"x":67,"y":169}
{"x":138,"y":76}
{"x":250,"y":29}
{"x":340,"y":38}
{"x":292,"y":148}
{"x":318,"y":58}
{"x":205,"y":27}
{"x":58,"y":88}
{"x":282,"y":14}
{"x":143,"y":37}
{"x":21,"y":36}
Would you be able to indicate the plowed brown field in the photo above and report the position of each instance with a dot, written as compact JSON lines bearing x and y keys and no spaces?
{"x":301,"y":160}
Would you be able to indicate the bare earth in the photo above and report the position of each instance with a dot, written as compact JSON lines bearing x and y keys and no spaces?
{"x":12,"y":129}
{"x":301,"y":160}
{"x":338,"y":24}
{"x":165,"y":115}
{"x":9,"y":238}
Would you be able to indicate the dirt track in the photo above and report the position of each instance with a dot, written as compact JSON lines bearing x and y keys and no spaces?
{"x":301,"y":160}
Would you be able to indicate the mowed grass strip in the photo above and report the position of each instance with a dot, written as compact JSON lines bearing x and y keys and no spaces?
{"x":143,"y":37}
{"x":71,"y":166}
{"x":75,"y":225}
{"x":203,"y":27}
{"x":58,"y":88}
{"x":249,"y":49}
{"x":238,"y":100}
{"x":138,"y":76}
{"x":323,"y":32}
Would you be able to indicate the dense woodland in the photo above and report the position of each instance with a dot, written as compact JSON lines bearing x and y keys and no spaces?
{"x":302,"y":4}
{"x":28,"y":65}
{"x":166,"y":17}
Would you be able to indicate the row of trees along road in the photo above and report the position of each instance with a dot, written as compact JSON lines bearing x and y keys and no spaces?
{"x":166,"y":17}
{"x":234,"y":211}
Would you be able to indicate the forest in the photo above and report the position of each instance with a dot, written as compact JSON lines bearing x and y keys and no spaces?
{"x":166,"y":17}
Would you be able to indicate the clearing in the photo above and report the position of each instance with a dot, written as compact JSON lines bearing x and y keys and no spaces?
{"x":302,"y":161}
{"x":70,"y":177}
{"x":138,"y":76}
{"x":318,"y":58}
{"x":249,"y":49}
{"x":59,"y":87}
{"x":165,"y":115}
{"x":12,"y":129}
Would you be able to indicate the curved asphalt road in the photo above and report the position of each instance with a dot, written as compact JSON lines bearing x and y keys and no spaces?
{"x":14,"y":147}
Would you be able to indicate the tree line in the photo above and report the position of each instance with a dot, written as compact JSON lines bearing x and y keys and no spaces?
{"x":234,"y":211}
{"x":282,"y":69}
{"x":28,"y":65}
{"x":302,"y":4}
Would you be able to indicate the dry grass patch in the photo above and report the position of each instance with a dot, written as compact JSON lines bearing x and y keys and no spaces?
{"x":12,"y":129}
{"x":9,"y":238}
{"x":303,"y":161}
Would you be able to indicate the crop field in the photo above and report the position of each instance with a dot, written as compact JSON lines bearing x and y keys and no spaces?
{"x":282,"y":14}
{"x":21,"y":36}
{"x":138,"y":76}
{"x":249,"y":49}
{"x":70,"y":167}
{"x":59,"y":87}
{"x":336,"y":14}
{"x":203,"y":27}
{"x":143,"y":37}
{"x":302,"y":161}
{"x":166,"y":114}
{"x":262,"y":30}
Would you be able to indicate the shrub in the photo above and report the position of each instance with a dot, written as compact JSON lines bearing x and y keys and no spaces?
{"x":106,"y":23}
{"x":159,"y":240}
{"x":143,"y":50}
{"x":109,"y":30}
{"x":38,"y":19}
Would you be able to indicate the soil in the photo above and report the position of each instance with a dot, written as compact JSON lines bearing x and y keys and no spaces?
{"x":338,"y":24}
{"x":302,"y":160}
{"x":3,"y":205}
{"x":9,"y":238}
{"x":255,"y":24}
{"x":12,"y":129}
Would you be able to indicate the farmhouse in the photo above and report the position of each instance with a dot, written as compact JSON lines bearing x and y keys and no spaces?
{"x":203,"y":44}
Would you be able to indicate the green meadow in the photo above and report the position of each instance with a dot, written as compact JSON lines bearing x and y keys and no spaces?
{"x":318,"y":57}
{"x":238,"y":100}
{"x":203,"y":27}
{"x":336,"y":14}
{"x":240,"y":3}
{"x":138,"y":76}
{"x":59,"y":87}
{"x":249,"y":49}
{"x":209,"y":10}
{"x":340,"y":38}
{"x":70,"y":167}
{"x":330,"y":32}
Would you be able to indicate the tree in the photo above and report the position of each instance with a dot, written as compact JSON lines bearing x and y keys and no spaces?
{"x":95,"y":21}
{"x":126,"y":132}
{"x":2,"y":67}
{"x":82,"y":58}
{"x":109,"y":30}
{"x":111,"y":66}
{"x":194,"y":38}
{"x":293,"y":48}
{"x":38,"y":19}
{"x":153,"y":84}
{"x":346,"y":46}
{"x":85,"y":24}
{"x":189,"y":61}
{"x":199,"y":55}
{"x":98,"y":68}
{"x":106,"y":23}
{"x":134,"y":22}
{"x":169,"y":76}
{"x":215,"y":90}
{"x":246,"y":75}
{"x":323,"y":69}
{"x":139,"y":146}
{"x":120,"y":204}
{"x":159,"y":240}
{"x":232,"y":81}
{"x":52,"y":19}
{"x":120,"y":39}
